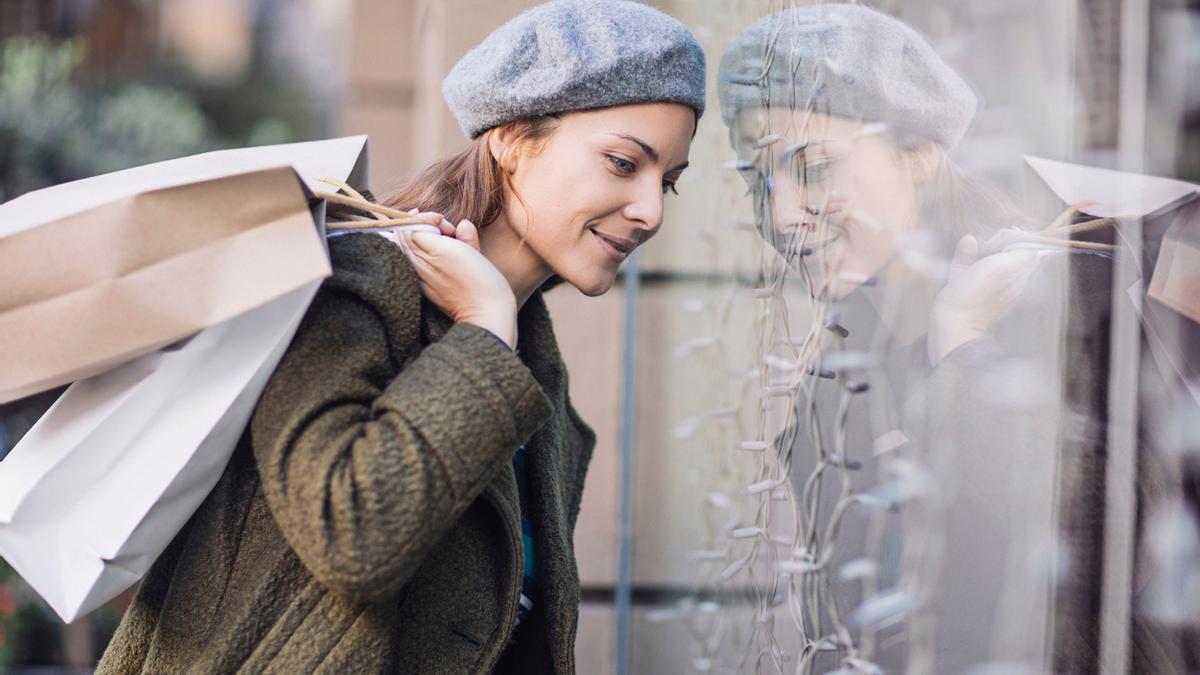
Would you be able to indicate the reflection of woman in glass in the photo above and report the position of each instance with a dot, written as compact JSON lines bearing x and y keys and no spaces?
{"x":842,"y":119}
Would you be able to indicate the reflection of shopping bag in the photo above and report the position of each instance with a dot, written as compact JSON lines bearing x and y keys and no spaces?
{"x":97,"y":272}
{"x":107,"y":477}
{"x":1170,"y":213}
{"x":1176,"y":279}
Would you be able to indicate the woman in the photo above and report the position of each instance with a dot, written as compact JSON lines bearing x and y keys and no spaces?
{"x":374,"y":517}
{"x":844,"y":118}
{"x":927,"y":289}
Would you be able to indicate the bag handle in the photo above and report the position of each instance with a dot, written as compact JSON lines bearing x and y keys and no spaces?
{"x":383,"y":218}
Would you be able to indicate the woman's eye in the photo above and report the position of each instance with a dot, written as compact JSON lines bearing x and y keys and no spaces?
{"x":811,"y":172}
{"x":623,"y":165}
{"x":815,"y":173}
{"x":669,"y":186}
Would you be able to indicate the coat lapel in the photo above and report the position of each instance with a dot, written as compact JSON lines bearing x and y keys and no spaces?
{"x":553,"y":473}
{"x":553,"y":478}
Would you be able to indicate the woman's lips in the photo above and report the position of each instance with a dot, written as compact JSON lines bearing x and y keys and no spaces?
{"x":807,"y":240}
{"x":616,"y":248}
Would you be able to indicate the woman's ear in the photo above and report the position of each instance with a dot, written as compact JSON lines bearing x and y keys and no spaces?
{"x":502,"y":145}
{"x":924,"y":161}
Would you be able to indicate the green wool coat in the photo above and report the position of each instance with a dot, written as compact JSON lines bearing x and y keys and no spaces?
{"x":369,"y":519}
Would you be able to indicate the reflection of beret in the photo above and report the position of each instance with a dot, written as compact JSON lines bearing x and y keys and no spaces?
{"x":847,"y":61}
{"x":571,"y":55}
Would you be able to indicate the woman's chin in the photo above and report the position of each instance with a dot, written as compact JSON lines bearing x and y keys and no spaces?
{"x":829,"y":289}
{"x":592,"y":285}
{"x":835,"y":292}
{"x":596,"y":290}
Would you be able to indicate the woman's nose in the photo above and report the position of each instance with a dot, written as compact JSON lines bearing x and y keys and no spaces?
{"x":646,"y":207}
{"x":788,"y":204}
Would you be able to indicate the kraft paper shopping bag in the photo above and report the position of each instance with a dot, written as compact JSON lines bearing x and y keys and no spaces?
{"x":100,"y":271}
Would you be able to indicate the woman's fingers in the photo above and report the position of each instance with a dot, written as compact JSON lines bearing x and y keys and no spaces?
{"x":1001,"y":240}
{"x":426,"y":243}
{"x":966,"y":252}
{"x":459,"y":279}
{"x":433,"y":218}
{"x":444,"y":226}
{"x":467,"y":233}
{"x":977,"y":295}
{"x":431,"y":252}
{"x":417,"y":258}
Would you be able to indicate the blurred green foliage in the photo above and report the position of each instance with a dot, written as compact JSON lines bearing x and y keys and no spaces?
{"x":52,"y":131}
{"x":59,"y":123}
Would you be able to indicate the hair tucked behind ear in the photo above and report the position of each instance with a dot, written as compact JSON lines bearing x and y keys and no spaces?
{"x":470,"y":185}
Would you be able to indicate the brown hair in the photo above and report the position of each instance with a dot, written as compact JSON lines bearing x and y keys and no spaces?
{"x":961,"y":203}
{"x":472,"y":184}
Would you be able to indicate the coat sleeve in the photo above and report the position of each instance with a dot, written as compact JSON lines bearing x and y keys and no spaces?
{"x":368,"y":454}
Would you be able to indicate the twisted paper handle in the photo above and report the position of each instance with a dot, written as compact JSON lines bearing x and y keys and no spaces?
{"x":1058,"y":233}
{"x":382,"y":217}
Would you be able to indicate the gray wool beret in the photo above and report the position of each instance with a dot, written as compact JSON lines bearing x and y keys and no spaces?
{"x":570,"y":55}
{"x":848,"y":61}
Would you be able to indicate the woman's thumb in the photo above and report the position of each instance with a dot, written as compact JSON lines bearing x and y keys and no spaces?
{"x":965,"y":254}
{"x":967,"y":250}
{"x":467,"y":233}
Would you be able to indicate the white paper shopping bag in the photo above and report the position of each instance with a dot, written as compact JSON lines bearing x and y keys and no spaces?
{"x":97,"y":489}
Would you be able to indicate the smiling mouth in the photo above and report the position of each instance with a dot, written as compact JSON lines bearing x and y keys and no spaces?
{"x":618,"y":249}
{"x":808,"y":242}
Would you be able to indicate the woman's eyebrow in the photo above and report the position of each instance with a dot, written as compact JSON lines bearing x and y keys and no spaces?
{"x":648,"y":149}
{"x":799,"y":149}
{"x":791,"y":150}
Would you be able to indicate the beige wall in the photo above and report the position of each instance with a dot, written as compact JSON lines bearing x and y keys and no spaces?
{"x":400,"y":52}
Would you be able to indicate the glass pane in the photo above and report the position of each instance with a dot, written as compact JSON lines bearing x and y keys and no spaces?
{"x":907,"y":400}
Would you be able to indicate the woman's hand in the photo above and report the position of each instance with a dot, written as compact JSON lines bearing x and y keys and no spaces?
{"x":455,"y":276}
{"x":980,"y":291}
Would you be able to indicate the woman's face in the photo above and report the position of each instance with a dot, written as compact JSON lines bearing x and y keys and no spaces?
{"x":594,"y":190}
{"x":837,"y":196}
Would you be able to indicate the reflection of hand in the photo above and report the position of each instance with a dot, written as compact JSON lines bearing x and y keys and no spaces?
{"x":455,"y":276}
{"x":980,"y":291}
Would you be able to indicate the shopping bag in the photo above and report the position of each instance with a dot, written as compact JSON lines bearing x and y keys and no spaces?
{"x":97,"y":272}
{"x":1174,"y":280}
{"x":107,"y":477}
{"x":101,"y":484}
{"x":1165,"y":297}
{"x":1109,"y":193}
